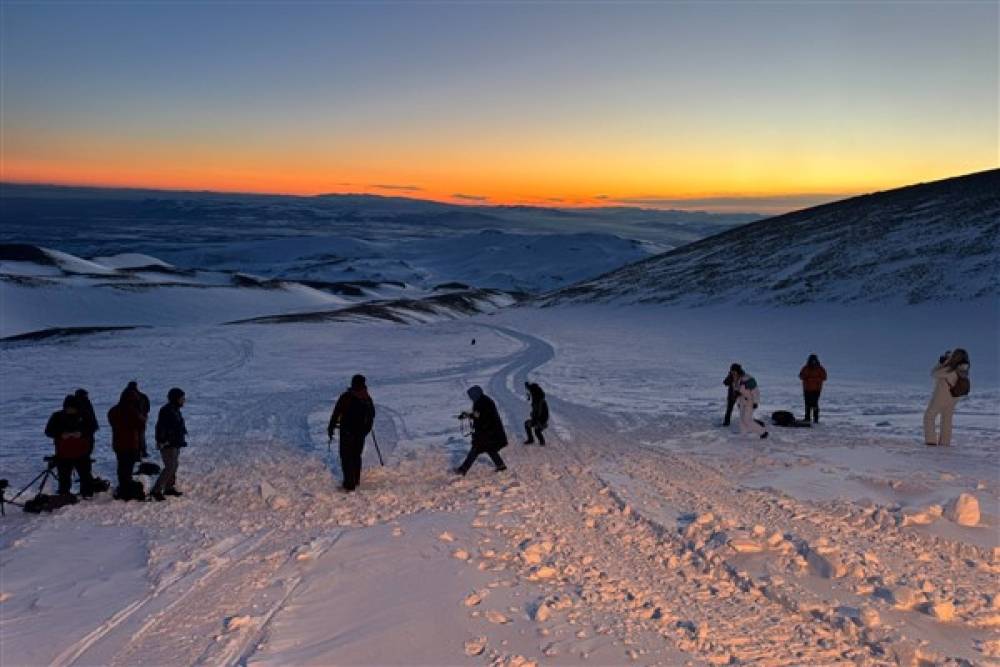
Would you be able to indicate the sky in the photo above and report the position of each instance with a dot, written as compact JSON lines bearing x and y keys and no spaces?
{"x":713,"y":105}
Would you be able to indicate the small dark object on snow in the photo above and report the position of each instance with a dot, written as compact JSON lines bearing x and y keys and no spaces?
{"x":134,"y":491}
{"x":43,"y":502}
{"x":473,"y":341}
{"x":785,"y":418}
{"x":148,"y":468}
{"x":99,"y":485}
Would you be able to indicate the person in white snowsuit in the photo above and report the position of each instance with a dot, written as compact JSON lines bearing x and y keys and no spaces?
{"x":951,"y":367}
{"x":747,"y":401}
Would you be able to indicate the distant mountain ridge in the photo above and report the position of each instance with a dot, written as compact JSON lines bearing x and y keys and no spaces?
{"x":926,"y":242}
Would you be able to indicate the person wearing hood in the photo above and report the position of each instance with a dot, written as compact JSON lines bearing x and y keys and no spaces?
{"x":68,"y":428}
{"x":488,"y":434}
{"x":951,"y":383}
{"x":813,"y":375}
{"x":90,"y":424}
{"x":539,"y":419}
{"x":354,"y":415}
{"x":748,"y":399}
{"x":127,"y":426}
{"x":171,"y":436}
{"x":144,"y":407}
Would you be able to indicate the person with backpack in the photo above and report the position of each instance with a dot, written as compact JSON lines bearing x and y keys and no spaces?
{"x":732,"y":392}
{"x":171,"y":436}
{"x":127,"y":425}
{"x":813,"y":375}
{"x":354,"y":414}
{"x":68,"y":428}
{"x":144,"y":407}
{"x":488,"y":434}
{"x":748,"y":401}
{"x":539,"y":419}
{"x":951,"y":384}
{"x":90,"y":424}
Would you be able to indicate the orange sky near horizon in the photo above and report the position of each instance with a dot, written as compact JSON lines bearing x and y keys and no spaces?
{"x":760,"y":107}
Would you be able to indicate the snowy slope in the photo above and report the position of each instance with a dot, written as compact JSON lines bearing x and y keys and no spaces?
{"x":642,"y":533}
{"x":930,"y":242}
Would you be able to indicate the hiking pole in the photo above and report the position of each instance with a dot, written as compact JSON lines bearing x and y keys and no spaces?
{"x":377,"y":450}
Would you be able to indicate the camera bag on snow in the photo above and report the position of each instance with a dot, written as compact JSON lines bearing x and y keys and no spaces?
{"x":134,"y":491}
{"x":43,"y":502}
{"x":99,"y":484}
{"x":787,"y":419}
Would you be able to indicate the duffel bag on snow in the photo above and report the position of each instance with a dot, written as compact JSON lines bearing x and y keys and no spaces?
{"x":786,"y":418}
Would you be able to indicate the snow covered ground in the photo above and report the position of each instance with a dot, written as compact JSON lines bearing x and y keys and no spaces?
{"x":643,"y":533}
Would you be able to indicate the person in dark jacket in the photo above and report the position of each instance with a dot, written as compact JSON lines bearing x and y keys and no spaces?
{"x":732,"y":391}
{"x":488,"y":434}
{"x":68,"y":428}
{"x":127,"y":425}
{"x":354,"y":414}
{"x":539,"y":419}
{"x":90,"y":424}
{"x":813,"y":375}
{"x":171,"y":435}
{"x":144,"y":408}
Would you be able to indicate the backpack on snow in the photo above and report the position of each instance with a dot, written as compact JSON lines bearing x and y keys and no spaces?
{"x":786,"y":418}
{"x":961,"y":387}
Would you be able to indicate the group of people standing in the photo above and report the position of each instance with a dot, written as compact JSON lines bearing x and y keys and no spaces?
{"x":73,"y":431}
{"x":354,"y":415}
{"x":951,"y":383}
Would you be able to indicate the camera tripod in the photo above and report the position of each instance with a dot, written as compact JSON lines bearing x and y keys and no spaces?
{"x":44,"y":476}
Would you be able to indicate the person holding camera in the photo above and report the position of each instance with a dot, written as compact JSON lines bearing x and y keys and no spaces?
{"x":539,"y":419}
{"x":488,"y":434}
{"x":171,"y":435}
{"x":68,"y":429}
{"x":354,"y":414}
{"x":951,"y":383}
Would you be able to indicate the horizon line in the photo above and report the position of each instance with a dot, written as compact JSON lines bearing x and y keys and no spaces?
{"x":717,"y":204}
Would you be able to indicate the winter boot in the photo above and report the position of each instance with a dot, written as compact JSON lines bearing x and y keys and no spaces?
{"x":172,"y":492}
{"x":157,"y":496}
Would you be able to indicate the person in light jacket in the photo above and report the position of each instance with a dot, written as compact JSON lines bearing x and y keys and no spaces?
{"x":748,"y":400}
{"x":950,"y":373}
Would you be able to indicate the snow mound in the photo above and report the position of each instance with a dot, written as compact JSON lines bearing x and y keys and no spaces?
{"x":132,"y":260}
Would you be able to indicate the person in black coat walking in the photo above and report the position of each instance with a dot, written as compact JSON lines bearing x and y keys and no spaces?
{"x":539,"y":419}
{"x":68,"y":429}
{"x":171,"y":436}
{"x":488,"y":434}
{"x":732,"y":382}
{"x":354,"y":414}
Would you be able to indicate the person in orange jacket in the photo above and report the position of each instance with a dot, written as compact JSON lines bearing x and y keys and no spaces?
{"x":813,"y":375}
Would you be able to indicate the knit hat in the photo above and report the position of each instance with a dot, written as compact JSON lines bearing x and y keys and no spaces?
{"x":475,"y":392}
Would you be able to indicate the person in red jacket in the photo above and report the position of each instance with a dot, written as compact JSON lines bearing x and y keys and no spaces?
{"x":127,"y":426}
{"x":68,"y":429}
{"x":813,"y":375}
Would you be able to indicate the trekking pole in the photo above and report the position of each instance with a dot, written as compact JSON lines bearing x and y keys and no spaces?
{"x":328,"y":443}
{"x":377,"y":450}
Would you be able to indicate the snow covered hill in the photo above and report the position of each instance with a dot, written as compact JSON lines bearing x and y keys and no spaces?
{"x":43,"y":292}
{"x":935,"y":241}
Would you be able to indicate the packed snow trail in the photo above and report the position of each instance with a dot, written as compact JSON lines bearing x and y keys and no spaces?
{"x":596,"y":547}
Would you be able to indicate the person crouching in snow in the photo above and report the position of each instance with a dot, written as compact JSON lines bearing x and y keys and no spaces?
{"x":951,"y":383}
{"x":539,"y":419}
{"x":354,"y":414}
{"x":748,"y":400}
{"x":488,"y":434}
